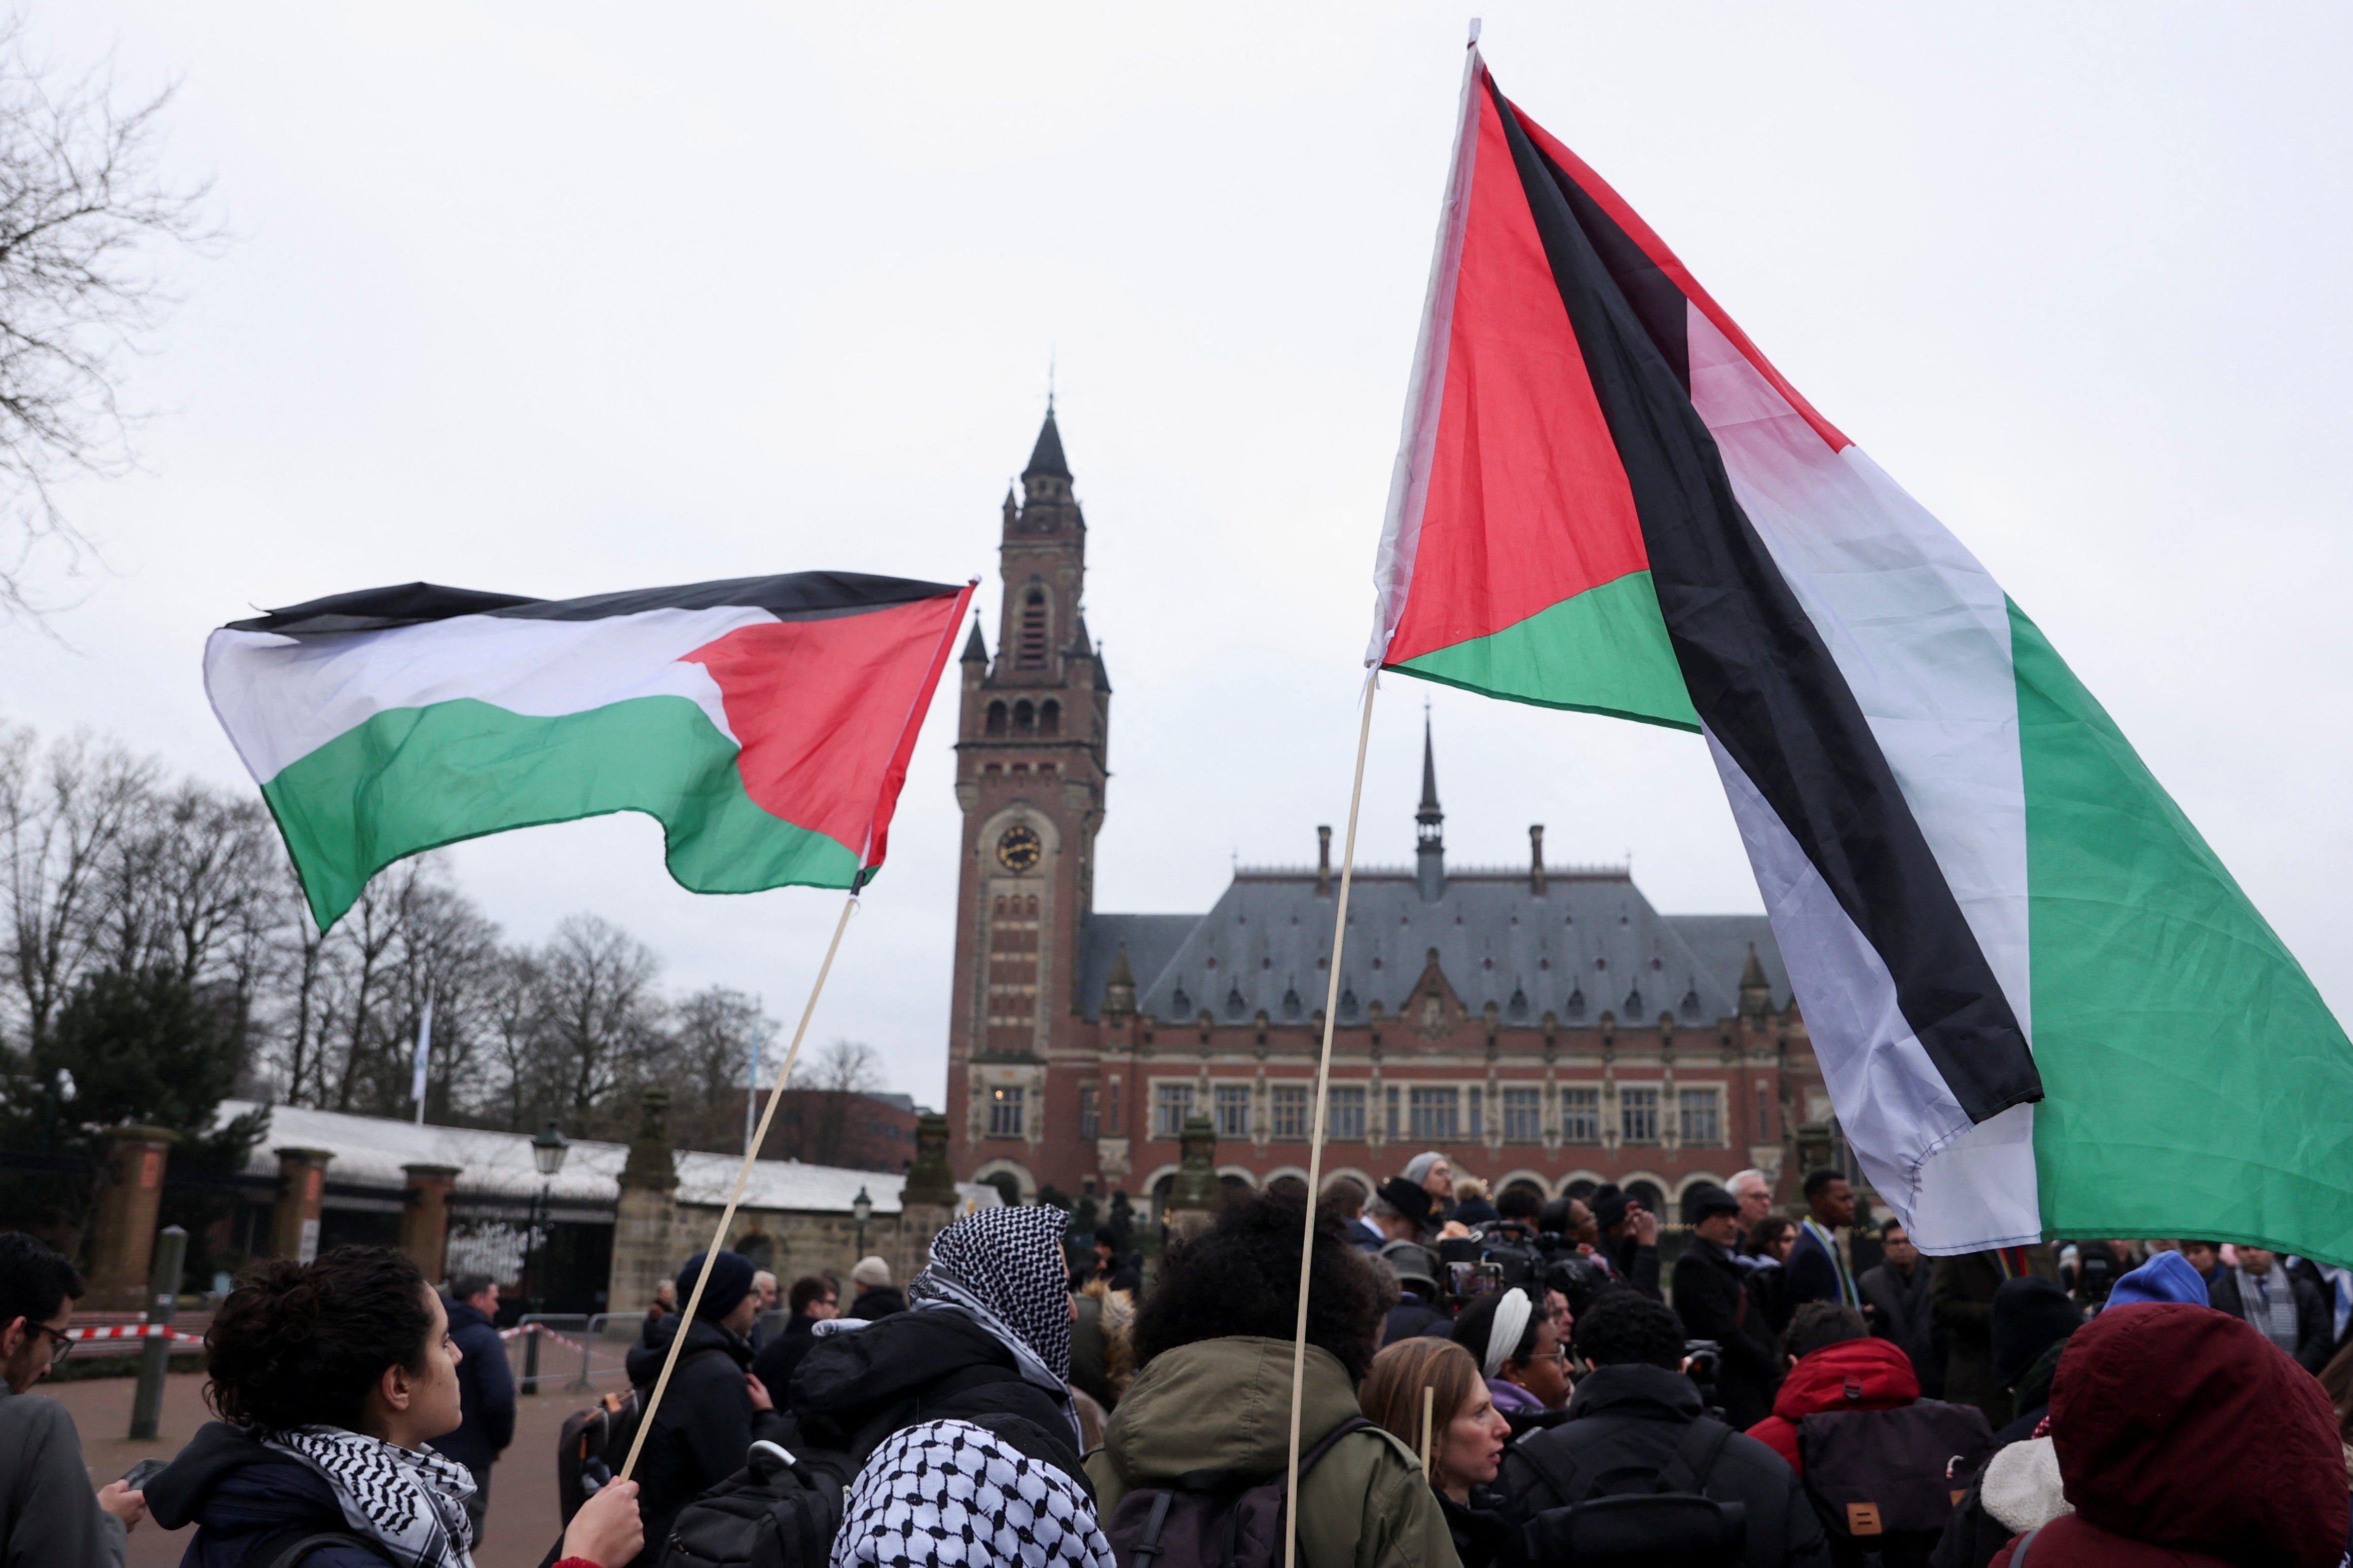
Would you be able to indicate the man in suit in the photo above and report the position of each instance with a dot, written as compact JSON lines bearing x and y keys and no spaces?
{"x":2289,"y":1312}
{"x":1897,"y":1292}
{"x":1818,"y":1269}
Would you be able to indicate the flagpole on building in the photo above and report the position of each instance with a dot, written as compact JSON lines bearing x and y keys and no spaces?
{"x":1316,"y":1146}
{"x":752,"y":1089}
{"x":423,"y":1057}
{"x":743,"y":1174}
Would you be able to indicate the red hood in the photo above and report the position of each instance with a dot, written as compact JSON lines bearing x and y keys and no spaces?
{"x":2182,"y":1427}
{"x":1879,"y":1376}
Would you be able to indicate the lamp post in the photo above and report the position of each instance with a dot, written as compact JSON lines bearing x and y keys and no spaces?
{"x":547,"y":1151}
{"x":862,"y":1208}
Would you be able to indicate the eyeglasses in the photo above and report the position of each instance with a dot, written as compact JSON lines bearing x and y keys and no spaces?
{"x":1558,"y":1353}
{"x":62,"y":1349}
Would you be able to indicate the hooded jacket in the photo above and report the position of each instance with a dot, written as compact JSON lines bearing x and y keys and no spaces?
{"x":2183,"y":1435}
{"x":1225,"y":1404}
{"x":705,"y":1422}
{"x":485,"y":1391}
{"x":1630,"y":1416}
{"x":1853,"y":1374}
{"x":238,"y":1494}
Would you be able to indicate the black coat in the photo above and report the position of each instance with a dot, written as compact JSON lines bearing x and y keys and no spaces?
{"x":239,"y":1494}
{"x":704,"y":1426}
{"x":774,"y":1365}
{"x":485,"y":1391}
{"x":1629,"y":1417}
{"x":1900,"y":1313}
{"x":2315,"y":1321}
{"x":854,"y":1389}
{"x":1637,"y":1264}
{"x":1712,"y":1299}
{"x":876,"y":1301}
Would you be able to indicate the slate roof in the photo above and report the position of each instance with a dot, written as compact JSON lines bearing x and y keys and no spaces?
{"x":1593,"y":943}
{"x":1046,"y":459}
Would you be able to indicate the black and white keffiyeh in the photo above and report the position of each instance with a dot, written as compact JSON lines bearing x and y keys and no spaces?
{"x":946,"y":1494}
{"x":1006,"y":1265}
{"x":410,"y":1501}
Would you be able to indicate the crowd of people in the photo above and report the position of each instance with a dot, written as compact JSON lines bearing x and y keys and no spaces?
{"x":1486,"y":1379}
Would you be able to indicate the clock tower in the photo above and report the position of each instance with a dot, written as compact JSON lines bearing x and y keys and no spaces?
{"x":1030,"y":746}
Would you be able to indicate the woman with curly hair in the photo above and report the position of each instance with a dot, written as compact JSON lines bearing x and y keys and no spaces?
{"x":331,"y":1380}
{"x":1213,"y":1343}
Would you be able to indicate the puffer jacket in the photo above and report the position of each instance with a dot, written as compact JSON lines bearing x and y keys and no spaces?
{"x":1853,"y":1374}
{"x":1225,"y":1404}
{"x":239,"y":1494}
{"x":2185,"y":1437}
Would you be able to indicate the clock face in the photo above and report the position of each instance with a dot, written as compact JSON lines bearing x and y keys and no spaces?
{"x":1021,"y":848}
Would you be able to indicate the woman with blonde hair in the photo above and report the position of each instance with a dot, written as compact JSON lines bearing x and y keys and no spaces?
{"x":1463,"y":1433}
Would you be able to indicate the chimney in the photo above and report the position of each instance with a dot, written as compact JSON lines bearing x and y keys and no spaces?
{"x":1323,"y":862}
{"x":1536,"y":859}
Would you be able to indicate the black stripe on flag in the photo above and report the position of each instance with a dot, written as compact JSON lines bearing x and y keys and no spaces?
{"x":792,"y":596}
{"x":1760,"y":674}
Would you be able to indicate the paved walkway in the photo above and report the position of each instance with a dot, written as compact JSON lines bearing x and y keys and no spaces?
{"x":523,"y":1521}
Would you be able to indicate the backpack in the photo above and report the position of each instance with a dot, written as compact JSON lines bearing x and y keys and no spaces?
{"x":1886,"y":1481}
{"x":288,"y":1548}
{"x":595,"y":1443}
{"x":780,"y":1511}
{"x":1210,"y":1518}
{"x":1638,"y":1517}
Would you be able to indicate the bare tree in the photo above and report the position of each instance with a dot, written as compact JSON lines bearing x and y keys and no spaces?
{"x":705,"y":1064}
{"x":603,"y":1014}
{"x":816,"y":1124}
{"x":844,"y":1066}
{"x":85,"y":209}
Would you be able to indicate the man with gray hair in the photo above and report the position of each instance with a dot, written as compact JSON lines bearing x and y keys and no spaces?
{"x":1754,"y":1189}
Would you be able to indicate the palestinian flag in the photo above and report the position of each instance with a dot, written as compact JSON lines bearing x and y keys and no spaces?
{"x":2041,"y":1004}
{"x":765,"y":723}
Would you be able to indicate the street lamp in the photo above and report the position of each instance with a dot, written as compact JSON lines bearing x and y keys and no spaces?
{"x":547,"y":1151}
{"x":862,"y":1208}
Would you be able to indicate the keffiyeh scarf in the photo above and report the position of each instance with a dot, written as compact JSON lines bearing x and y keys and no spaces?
{"x":1005,"y":1265}
{"x":946,"y":1494}
{"x":413,"y":1503}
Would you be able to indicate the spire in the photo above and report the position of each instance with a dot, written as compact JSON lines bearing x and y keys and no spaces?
{"x":1430,"y":845}
{"x":976,"y":647}
{"x":1755,"y":990}
{"x":1046,"y":460}
{"x":1118,"y":991}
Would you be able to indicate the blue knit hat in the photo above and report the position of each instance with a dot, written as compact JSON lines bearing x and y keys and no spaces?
{"x":731,"y":1281}
{"x":2168,"y":1277}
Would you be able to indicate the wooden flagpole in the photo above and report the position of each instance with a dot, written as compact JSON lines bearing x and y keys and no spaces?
{"x":1315,"y":1147}
{"x":742,"y":1175}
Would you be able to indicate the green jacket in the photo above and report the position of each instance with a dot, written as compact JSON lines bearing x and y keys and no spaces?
{"x":1225,"y":1404}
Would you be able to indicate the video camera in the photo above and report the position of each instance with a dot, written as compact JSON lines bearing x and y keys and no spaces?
{"x":1502,"y":1255}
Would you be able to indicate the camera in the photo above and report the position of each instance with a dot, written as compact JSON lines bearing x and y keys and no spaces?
{"x":1703,"y":1360}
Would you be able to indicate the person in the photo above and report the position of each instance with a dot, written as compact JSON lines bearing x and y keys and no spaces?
{"x":1960,"y":1304}
{"x":1214,"y":1344}
{"x":1818,"y":1268}
{"x":331,"y":1380}
{"x":2206,"y":1257}
{"x":1631,"y":1414}
{"x":1472,"y":1207}
{"x":1345,"y":1198}
{"x":2166,"y":1276}
{"x":1520,"y":1204}
{"x":486,"y":1389}
{"x":1464,"y":1439}
{"x":2185,"y":1437}
{"x":2288,"y":1310}
{"x":1767,"y":1248}
{"x":1416,"y":1311}
{"x":814,"y":1301}
{"x":1714,"y":1303}
{"x":665,"y":1302}
{"x":1401,"y":1211}
{"x":1628,"y":1239}
{"x":1755,"y":1190}
{"x":47,"y":1514}
{"x":1835,"y":1363}
{"x":877,"y":1296}
{"x":950,"y":1494}
{"x":1896,"y":1291}
{"x":714,"y":1408}
{"x":986,"y":1341}
{"x":2031,"y":1322}
{"x":1103,"y":1344}
{"x":2089,"y":1269}
{"x":764,"y":1287}
{"x":1518,"y":1348}
{"x":1433,"y":1174}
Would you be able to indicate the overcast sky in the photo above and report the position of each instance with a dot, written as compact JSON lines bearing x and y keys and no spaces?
{"x":559,"y":299}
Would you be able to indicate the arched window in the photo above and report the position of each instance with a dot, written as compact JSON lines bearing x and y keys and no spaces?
{"x":996,"y":725}
{"x":1025,"y":717}
{"x":1049,"y":717}
{"x":1033,"y":630}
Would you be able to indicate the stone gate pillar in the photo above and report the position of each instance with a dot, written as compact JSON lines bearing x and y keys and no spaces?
{"x":929,"y":1201}
{"x":646,"y":1242}
{"x":126,"y":1241}
{"x":301,"y":1193}
{"x":424,"y":1217}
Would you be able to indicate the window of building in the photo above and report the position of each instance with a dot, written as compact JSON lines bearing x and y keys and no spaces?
{"x":1114,"y":1104}
{"x":1523,"y":1109}
{"x":1701,"y":1121}
{"x":1389,"y":1111}
{"x":1013,"y":973}
{"x":1049,"y":717}
{"x":1033,"y":630}
{"x":996,"y":722}
{"x":1005,"y":1111}
{"x":1433,"y":1113}
{"x":1343,"y":1114}
{"x":1638,"y":1115}
{"x":1291,"y":1111}
{"x":1580,"y":1115}
{"x":1171,"y":1103}
{"x":1089,"y":1113}
{"x":1025,"y":717}
{"x":1474,"y":1107}
{"x":1764,"y":1114}
{"x":1233,"y":1107}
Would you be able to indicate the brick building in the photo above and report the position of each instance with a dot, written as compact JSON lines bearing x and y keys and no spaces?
{"x":1540,"y":1025}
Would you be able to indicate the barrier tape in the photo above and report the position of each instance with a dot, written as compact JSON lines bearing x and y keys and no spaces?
{"x":541,"y":1328}
{"x":131,"y":1331}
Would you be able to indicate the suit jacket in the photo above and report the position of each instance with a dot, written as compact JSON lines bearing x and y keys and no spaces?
{"x":1900,"y":1312}
{"x":1811,"y":1275}
{"x":2316,"y":1322}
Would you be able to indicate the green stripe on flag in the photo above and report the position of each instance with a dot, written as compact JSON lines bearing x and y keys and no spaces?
{"x":1603,"y":651}
{"x":2198,"y":1085}
{"x":412,"y":779}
